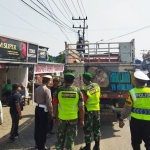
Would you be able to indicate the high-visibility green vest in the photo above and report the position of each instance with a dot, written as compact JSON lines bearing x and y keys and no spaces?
{"x":68,"y":105}
{"x":141,"y":103}
{"x":93,"y":92}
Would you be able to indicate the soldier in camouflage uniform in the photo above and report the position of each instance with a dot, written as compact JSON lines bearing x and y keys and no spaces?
{"x":67,"y":100}
{"x":91,"y":93}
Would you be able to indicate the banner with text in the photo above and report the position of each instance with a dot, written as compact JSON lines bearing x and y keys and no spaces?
{"x":48,"y":68}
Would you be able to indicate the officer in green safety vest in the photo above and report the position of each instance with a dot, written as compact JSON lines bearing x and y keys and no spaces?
{"x":138,"y":107}
{"x":91,"y":93}
{"x":68,"y":100}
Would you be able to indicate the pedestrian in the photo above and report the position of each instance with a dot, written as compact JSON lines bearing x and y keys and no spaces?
{"x":7,"y":91}
{"x":137,"y":106}
{"x":43,"y":102}
{"x":16,"y":107}
{"x":67,"y":100}
{"x":81,"y":48}
{"x":50,"y":119}
{"x":91,"y":94}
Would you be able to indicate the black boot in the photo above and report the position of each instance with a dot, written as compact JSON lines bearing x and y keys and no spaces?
{"x":86,"y":147}
{"x":136,"y":147}
{"x":97,"y":145}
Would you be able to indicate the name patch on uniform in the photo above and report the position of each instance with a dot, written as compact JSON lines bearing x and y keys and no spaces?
{"x":142,"y":95}
{"x":68,"y":95}
{"x":93,"y":91}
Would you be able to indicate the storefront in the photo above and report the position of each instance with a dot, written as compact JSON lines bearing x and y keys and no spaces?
{"x":15,"y":58}
{"x":43,"y":68}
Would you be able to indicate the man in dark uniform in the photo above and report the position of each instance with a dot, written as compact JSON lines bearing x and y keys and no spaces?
{"x":138,"y":107}
{"x":44,"y":105}
{"x":67,"y":100}
{"x":91,"y":93}
{"x":16,"y":107}
{"x":50,"y":120}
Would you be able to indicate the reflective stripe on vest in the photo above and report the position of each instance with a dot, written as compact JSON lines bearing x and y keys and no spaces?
{"x":93,"y":93}
{"x":68,"y":105}
{"x":141,"y":103}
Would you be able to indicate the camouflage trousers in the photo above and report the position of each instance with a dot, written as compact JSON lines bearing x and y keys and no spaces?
{"x":67,"y":131}
{"x":92,"y":126}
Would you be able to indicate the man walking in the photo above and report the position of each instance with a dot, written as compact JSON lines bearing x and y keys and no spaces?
{"x":91,"y":93}
{"x":16,"y":107}
{"x":138,"y":107}
{"x":50,"y":119}
{"x":44,"y":105}
{"x":67,"y":100}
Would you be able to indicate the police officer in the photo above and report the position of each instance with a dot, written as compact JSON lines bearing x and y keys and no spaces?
{"x":138,"y":106}
{"x":67,"y":100}
{"x":44,"y":105}
{"x":91,"y":93}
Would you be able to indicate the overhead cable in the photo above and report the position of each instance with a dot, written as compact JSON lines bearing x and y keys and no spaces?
{"x":129,"y":33}
{"x":83,"y":7}
{"x":61,"y":11}
{"x":55,"y":15}
{"x":28,"y":22}
{"x":80,"y":8}
{"x":58,"y":25}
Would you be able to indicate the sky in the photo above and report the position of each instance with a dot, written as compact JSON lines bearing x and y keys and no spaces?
{"x":107,"y":19}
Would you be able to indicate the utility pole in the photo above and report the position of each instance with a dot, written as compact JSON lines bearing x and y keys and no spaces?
{"x":80,"y":27}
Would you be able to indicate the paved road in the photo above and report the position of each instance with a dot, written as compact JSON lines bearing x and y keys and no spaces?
{"x":113,"y":138}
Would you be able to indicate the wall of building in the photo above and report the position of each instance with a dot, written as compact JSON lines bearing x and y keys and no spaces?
{"x":18,"y":75}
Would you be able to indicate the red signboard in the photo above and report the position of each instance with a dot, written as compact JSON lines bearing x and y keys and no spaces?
{"x":48,"y":68}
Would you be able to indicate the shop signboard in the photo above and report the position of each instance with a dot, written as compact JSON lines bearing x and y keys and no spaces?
{"x":43,"y":53}
{"x":12,"y":50}
{"x":48,"y":68}
{"x":32,"y":53}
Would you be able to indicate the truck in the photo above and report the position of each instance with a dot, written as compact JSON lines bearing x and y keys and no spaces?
{"x":112,"y":66}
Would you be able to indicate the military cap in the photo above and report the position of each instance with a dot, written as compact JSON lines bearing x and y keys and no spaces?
{"x":69,"y":75}
{"x":87,"y":75}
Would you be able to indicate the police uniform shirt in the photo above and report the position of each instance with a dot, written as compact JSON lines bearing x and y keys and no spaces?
{"x":43,"y":96}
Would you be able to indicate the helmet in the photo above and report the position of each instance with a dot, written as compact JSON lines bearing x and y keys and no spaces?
{"x":47,"y":76}
{"x":140,"y":75}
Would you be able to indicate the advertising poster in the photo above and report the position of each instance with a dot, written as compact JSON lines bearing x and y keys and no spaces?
{"x":12,"y":50}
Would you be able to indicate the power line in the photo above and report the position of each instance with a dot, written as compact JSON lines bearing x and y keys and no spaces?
{"x":75,"y":7}
{"x":27,"y":22}
{"x":129,"y":33}
{"x":67,"y":7}
{"x":32,"y":30}
{"x":59,"y":26}
{"x":83,"y":7}
{"x":64,"y":9}
{"x":61,"y":11}
{"x":65,"y":3}
{"x":52,"y":14}
{"x":80,"y":8}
